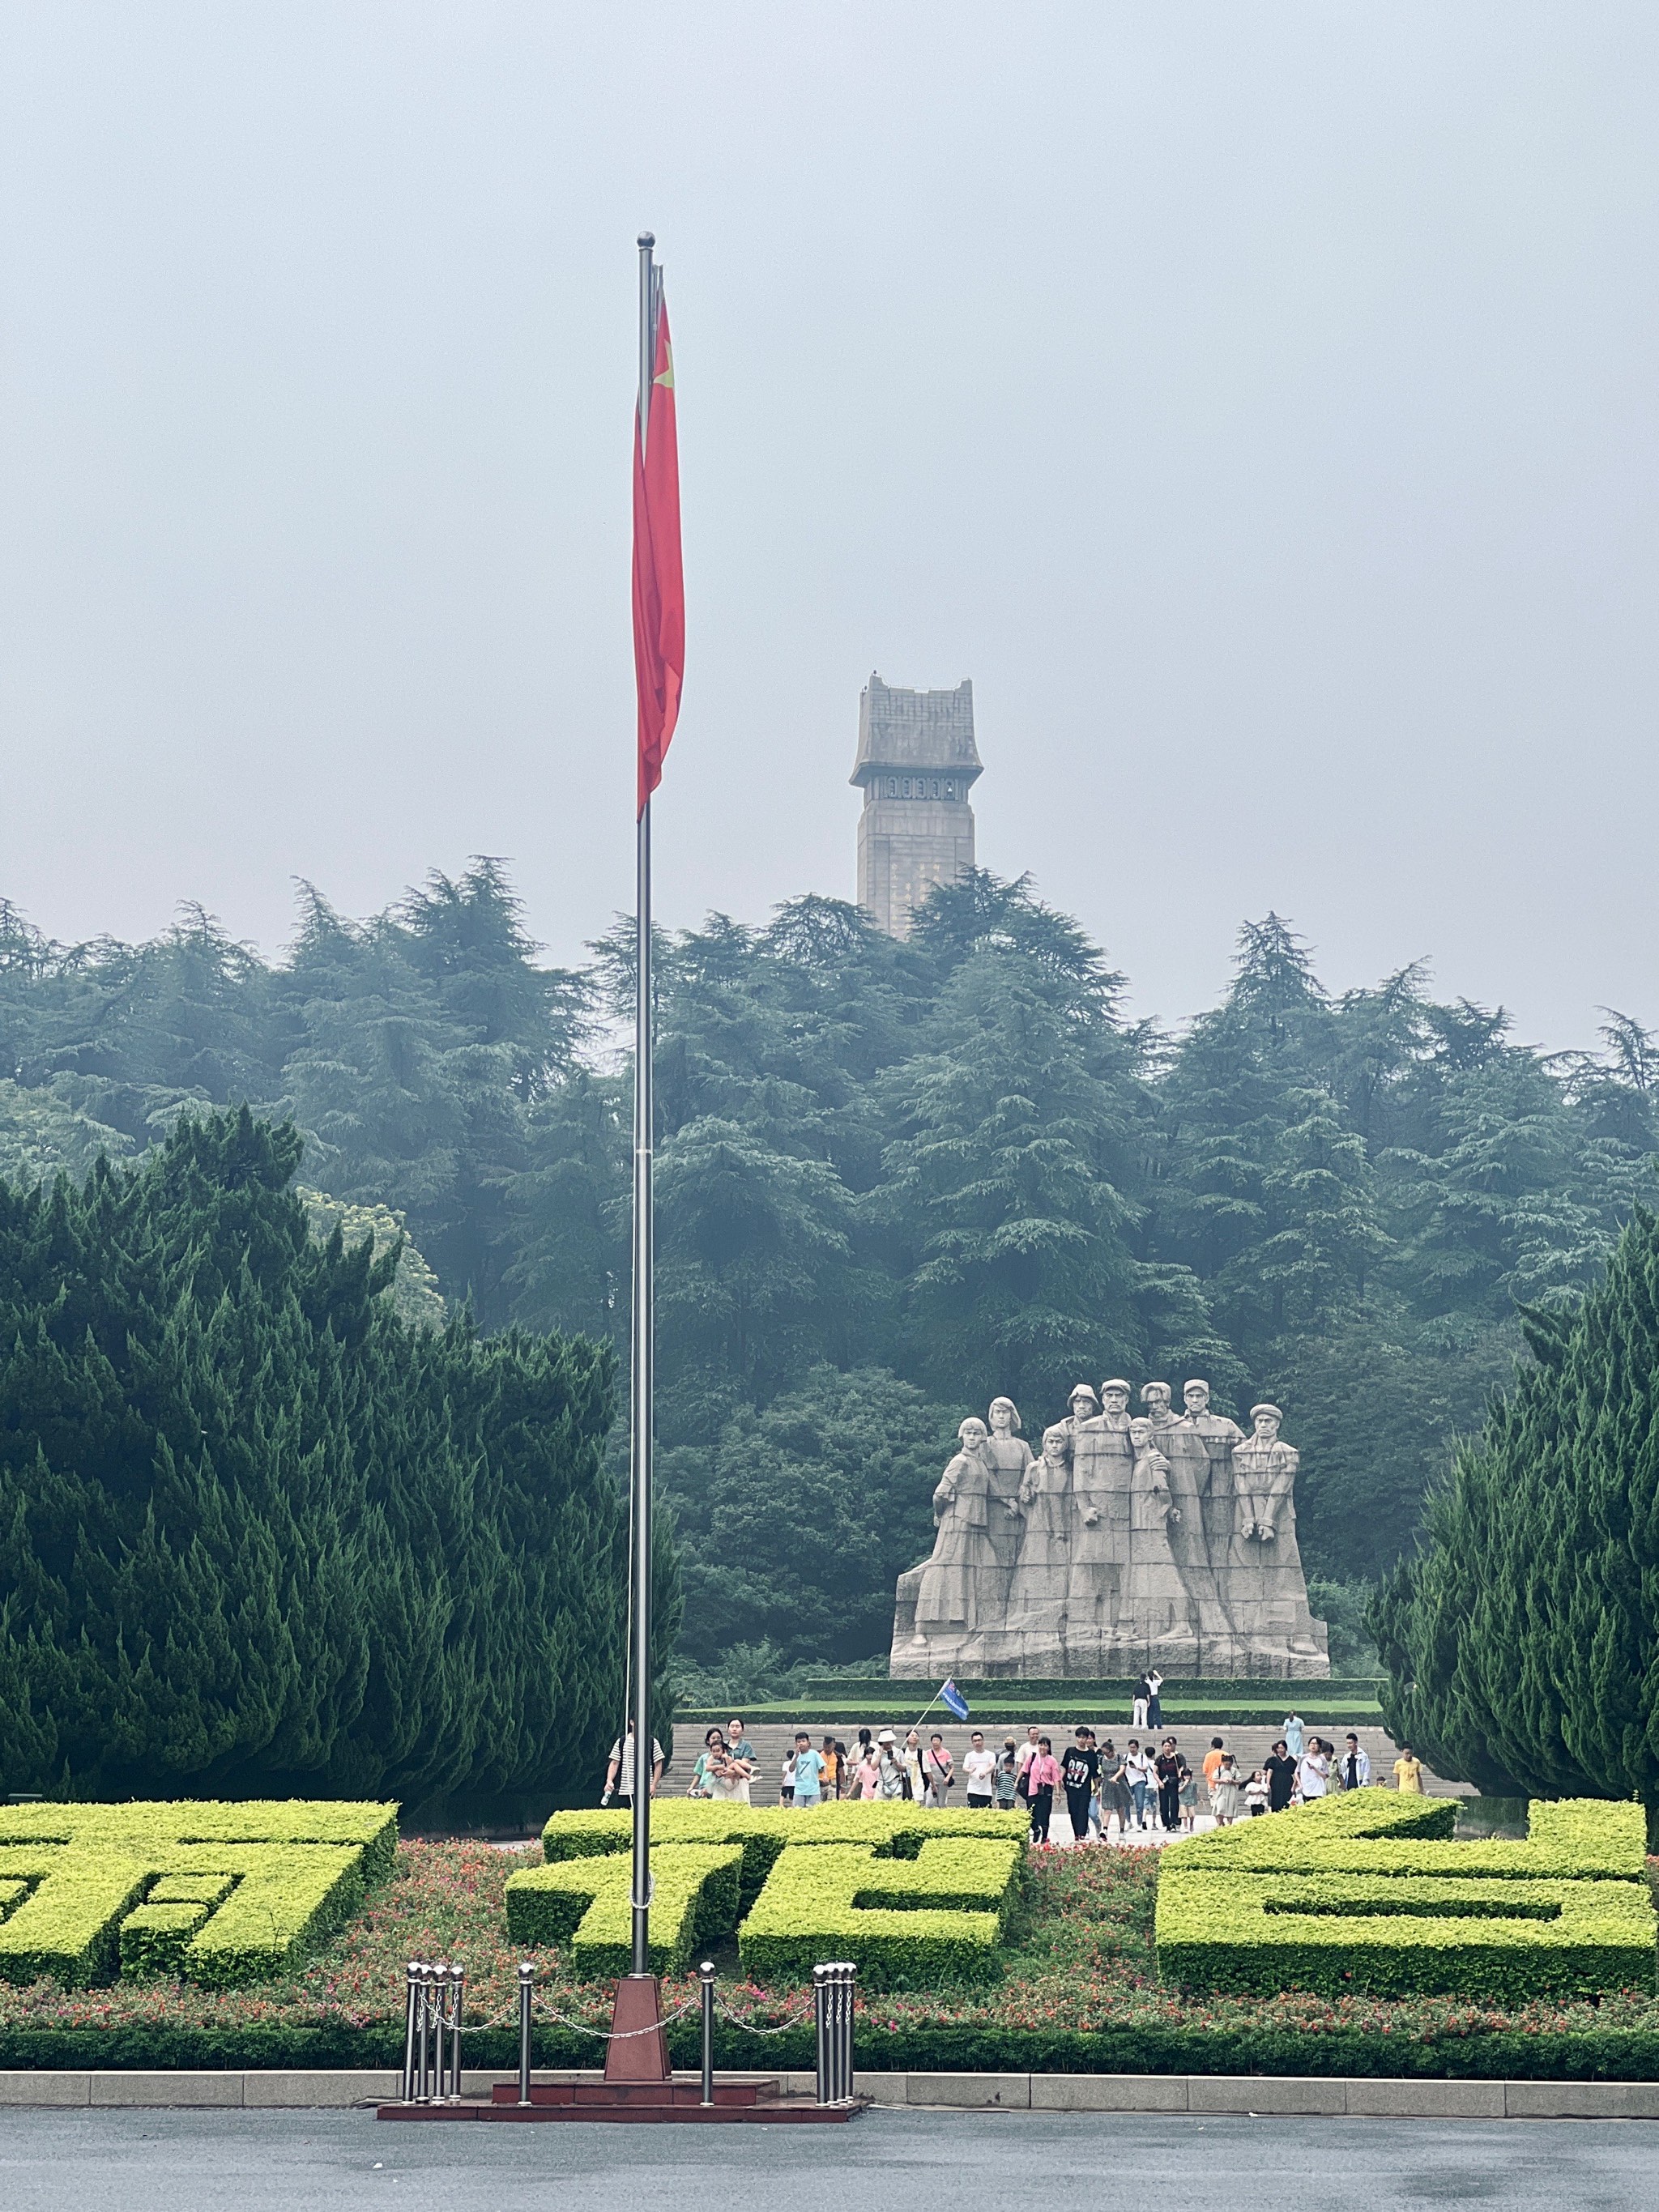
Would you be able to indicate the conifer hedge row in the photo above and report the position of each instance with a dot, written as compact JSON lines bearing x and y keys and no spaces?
{"x":1520,"y":1639}
{"x":257,"y":1535}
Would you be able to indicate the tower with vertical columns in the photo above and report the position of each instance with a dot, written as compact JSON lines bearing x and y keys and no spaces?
{"x":916,"y":761}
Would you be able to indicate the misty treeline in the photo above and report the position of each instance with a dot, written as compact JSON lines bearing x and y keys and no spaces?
{"x":893,"y":1179}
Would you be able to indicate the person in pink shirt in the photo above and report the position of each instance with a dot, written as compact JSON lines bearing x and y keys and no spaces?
{"x":1042,"y":1780}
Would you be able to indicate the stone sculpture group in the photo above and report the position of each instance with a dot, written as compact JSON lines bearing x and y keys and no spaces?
{"x":1160,"y":1539}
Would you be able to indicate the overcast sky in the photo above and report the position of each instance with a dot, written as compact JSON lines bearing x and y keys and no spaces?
{"x":1257,"y":402}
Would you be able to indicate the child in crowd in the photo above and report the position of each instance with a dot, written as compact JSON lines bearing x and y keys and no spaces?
{"x":1008,"y":1774}
{"x":1255,"y":1793}
{"x":1188,"y":1797}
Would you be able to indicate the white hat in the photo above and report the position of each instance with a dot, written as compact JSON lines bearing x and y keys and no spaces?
{"x":887,"y":1737}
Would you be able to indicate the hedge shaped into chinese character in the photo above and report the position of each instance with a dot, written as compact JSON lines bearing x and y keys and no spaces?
{"x":896,"y":1830}
{"x":221,"y":1894}
{"x":905,"y":1924}
{"x":585,"y":1905}
{"x":1368,"y":1893}
{"x":914,"y":1897}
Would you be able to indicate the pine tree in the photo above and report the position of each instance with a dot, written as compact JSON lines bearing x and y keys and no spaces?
{"x":1521,"y":1641}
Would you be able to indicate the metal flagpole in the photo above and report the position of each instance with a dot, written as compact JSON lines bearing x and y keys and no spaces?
{"x":641,"y":1405}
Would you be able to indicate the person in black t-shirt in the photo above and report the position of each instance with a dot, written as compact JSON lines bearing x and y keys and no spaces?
{"x":1079,"y":1771}
{"x":1167,"y":1768}
{"x":1280,"y":1769}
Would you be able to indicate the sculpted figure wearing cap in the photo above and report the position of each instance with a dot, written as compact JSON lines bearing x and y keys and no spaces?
{"x":1264,"y":1468}
{"x":1102,"y":1462}
{"x":1215,"y":1436}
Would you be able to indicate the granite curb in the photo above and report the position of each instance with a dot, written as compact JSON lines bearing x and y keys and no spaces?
{"x":1257,"y":2095}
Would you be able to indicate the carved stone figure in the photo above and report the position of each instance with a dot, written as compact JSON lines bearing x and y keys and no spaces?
{"x":1184,"y":1450}
{"x":1155,"y":1397}
{"x":1156,"y":1599}
{"x":1009,"y":1458}
{"x":1264,"y":1468}
{"x":1037,"y":1596}
{"x":1166,"y":1540}
{"x":1220,"y":1437}
{"x":1102,"y":1460}
{"x":952,"y":1581}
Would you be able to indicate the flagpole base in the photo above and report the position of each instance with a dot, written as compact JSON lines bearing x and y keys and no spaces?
{"x":638,"y":2050}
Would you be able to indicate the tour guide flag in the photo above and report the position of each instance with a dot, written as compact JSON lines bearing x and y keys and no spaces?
{"x":658,"y":581}
{"x":953,"y":1700}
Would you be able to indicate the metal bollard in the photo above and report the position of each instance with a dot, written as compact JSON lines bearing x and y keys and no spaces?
{"x":457,"y":2006}
{"x":411,"y":2003}
{"x":526,"y":1988}
{"x":434,"y":2009}
{"x":832,"y":2004}
{"x":706,"y":1974}
{"x":423,"y":2079}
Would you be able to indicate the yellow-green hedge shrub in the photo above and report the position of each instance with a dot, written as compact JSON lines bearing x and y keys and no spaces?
{"x":1381,"y":1832}
{"x":1364,"y":1893}
{"x":585,"y":1906}
{"x":904,"y":1922}
{"x":894,"y":1828}
{"x":221,"y":1893}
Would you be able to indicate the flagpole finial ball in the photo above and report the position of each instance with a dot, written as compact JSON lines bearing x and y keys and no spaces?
{"x":646,"y":238}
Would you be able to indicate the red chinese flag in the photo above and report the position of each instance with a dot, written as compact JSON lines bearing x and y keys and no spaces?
{"x":658,"y":579}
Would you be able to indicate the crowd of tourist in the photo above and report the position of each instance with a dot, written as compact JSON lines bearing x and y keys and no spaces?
{"x":1148,"y":1789}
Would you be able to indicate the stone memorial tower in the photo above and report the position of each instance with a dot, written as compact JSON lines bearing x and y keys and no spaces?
{"x":916,"y":760}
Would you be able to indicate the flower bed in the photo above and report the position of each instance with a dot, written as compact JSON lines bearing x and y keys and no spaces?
{"x":1079,"y":1994}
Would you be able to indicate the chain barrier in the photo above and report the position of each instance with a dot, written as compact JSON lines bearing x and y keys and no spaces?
{"x":736,"y":2020}
{"x":435,"y":2002}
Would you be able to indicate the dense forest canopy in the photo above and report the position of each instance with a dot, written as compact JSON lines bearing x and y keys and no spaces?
{"x":894,"y":1180}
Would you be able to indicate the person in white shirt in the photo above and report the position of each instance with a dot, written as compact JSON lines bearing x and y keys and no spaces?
{"x":1313,"y":1772}
{"x":979,"y":1768}
{"x":1139,"y":1766}
{"x":622,"y":1775}
{"x":1356,"y":1768}
{"x":1138,"y":1704}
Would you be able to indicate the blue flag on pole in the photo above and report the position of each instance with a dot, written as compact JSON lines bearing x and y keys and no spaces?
{"x":953,"y":1699}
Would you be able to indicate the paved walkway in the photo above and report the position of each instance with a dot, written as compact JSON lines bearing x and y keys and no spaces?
{"x":885,"y":2162}
{"x":1249,"y":1745}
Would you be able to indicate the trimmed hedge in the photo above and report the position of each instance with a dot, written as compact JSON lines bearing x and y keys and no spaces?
{"x":1379,"y":1831}
{"x":585,"y":1904}
{"x":1366,"y":1893}
{"x":797,"y":1906}
{"x":895,"y":1829}
{"x":220,"y":1895}
{"x":905,"y":1924}
{"x":1345,"y":1934}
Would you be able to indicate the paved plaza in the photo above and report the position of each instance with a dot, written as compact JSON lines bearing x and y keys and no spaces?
{"x":885,"y":2162}
{"x":1250,"y":1745}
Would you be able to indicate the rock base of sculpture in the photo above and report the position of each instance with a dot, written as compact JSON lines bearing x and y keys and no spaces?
{"x":1164,"y":1541}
